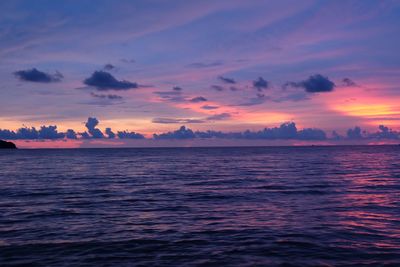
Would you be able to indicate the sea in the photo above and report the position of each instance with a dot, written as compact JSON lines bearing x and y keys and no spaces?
{"x":236,"y":206}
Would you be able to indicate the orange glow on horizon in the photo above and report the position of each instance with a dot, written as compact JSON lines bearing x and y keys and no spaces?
{"x":368,"y":110}
{"x":366,"y":104}
{"x":33,"y":144}
{"x":376,"y":114}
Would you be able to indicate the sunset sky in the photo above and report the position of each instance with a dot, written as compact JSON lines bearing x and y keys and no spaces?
{"x":152,"y":66}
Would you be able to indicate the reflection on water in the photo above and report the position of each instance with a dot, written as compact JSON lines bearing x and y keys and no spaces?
{"x":221,"y":206}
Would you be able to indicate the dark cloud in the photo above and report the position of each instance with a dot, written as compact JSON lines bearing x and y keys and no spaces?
{"x":182,"y":133}
{"x":34,"y":75}
{"x":198,"y":99}
{"x":219,"y":117}
{"x":110,"y":134}
{"x":209,"y":107}
{"x":217,"y":134}
{"x":354,"y":133}
{"x":337,"y":136}
{"x":314,"y":84}
{"x":176,"y":121}
{"x":108,"y":67}
{"x":71,"y":134}
{"x":129,"y":135}
{"x":217,"y":88}
{"x":96,"y":133}
{"x":104,"y":81}
{"x":260,"y":84}
{"x":227,"y":80}
{"x":286,"y":131}
{"x":348,"y":82}
{"x":50,"y":132}
{"x":177,"y":88}
{"x":7,"y":134}
{"x":311,"y":134}
{"x":201,"y":65}
{"x":25,"y":133}
{"x":91,"y":126}
{"x":85,"y":135}
{"x":318,"y":83}
{"x":107,"y":96}
{"x":385,"y":133}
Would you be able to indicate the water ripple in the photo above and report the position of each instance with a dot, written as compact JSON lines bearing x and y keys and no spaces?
{"x":304,"y":206}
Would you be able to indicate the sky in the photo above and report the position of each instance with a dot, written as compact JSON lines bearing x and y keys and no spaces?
{"x":150,"y":67}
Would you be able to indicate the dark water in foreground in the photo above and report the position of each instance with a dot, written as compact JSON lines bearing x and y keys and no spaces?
{"x":310,"y":206}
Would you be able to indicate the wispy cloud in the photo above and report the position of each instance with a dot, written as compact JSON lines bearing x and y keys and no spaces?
{"x":201,"y":65}
{"x":176,"y":121}
{"x":107,"y":96}
{"x":219,"y":117}
{"x":227,"y":80}
{"x":198,"y":99}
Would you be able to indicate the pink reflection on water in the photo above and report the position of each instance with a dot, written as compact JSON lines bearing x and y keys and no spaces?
{"x":371,"y":191}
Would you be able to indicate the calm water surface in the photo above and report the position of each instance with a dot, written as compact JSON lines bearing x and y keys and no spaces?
{"x":302,"y":206}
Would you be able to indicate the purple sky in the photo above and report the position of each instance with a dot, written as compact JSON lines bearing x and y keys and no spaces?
{"x":152,"y":66}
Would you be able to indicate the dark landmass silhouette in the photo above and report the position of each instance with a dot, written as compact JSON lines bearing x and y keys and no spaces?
{"x":9,"y":145}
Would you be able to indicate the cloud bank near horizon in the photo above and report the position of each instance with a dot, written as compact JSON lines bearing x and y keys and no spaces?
{"x":286,"y":131}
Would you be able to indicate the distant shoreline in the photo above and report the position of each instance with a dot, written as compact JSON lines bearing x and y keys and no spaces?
{"x":211,"y":147}
{"x":7,"y":145}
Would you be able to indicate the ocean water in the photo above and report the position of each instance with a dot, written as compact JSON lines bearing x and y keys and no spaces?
{"x":267,"y":206}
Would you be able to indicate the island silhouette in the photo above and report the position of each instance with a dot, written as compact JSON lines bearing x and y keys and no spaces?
{"x":9,"y":145}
